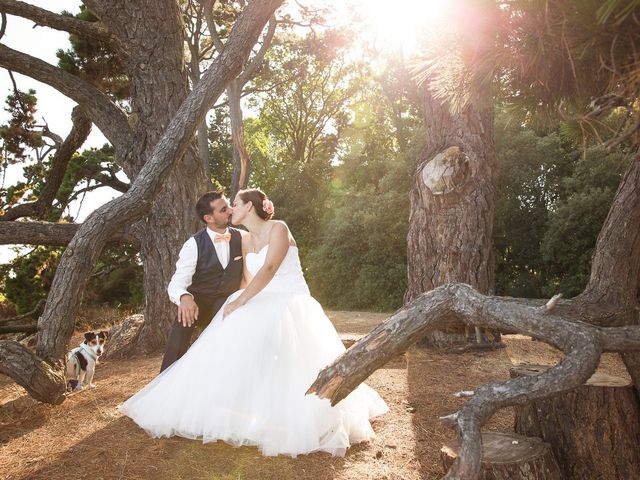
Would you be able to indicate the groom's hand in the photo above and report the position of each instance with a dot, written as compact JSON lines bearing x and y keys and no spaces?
{"x":187,"y":311}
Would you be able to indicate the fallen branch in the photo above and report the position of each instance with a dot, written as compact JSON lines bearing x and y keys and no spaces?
{"x":32,"y":313}
{"x":582,"y":343}
{"x":32,"y":328}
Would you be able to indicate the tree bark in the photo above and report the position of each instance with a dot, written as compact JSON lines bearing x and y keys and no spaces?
{"x":507,"y":456}
{"x":159,"y":84}
{"x":452,"y":208}
{"x":593,"y":430}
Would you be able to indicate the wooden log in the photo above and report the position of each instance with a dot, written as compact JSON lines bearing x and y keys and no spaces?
{"x":593,"y":430}
{"x":508,"y":456}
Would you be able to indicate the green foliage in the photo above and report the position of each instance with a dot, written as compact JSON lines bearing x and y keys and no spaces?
{"x":94,"y":62}
{"x":117,"y":279}
{"x":575,"y":223}
{"x":29,"y":277}
{"x":360,"y":262}
{"x":292,"y":143}
{"x":552,"y":203}
{"x":19,"y":133}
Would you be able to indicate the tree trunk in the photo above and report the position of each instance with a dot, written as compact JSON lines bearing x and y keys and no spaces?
{"x":241,"y":163}
{"x":615,"y":269}
{"x":159,"y":85}
{"x":509,"y":457}
{"x":593,"y":430}
{"x":452,"y":208}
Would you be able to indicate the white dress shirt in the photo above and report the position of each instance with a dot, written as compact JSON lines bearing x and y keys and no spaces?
{"x":186,"y":265}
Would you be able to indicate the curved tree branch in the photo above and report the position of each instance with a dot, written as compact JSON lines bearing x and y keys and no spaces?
{"x":256,"y":61}
{"x":40,"y":16}
{"x":42,"y":206}
{"x":582,"y":343}
{"x":110,"y":180}
{"x":103,"y":112}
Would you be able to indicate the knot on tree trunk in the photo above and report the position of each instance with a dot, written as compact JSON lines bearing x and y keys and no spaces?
{"x":449,"y":170}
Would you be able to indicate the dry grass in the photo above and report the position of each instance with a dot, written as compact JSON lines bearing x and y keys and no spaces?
{"x":87,"y":437}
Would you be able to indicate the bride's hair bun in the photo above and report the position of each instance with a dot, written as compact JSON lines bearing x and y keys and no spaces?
{"x":262,"y":204}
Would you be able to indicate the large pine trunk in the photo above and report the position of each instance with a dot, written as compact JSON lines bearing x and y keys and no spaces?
{"x":159,"y":84}
{"x":452,"y":208}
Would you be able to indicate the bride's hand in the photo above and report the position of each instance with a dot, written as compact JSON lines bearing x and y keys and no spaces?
{"x":230,"y":307}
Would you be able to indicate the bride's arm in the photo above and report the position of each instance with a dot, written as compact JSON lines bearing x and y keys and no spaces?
{"x":277,"y":250}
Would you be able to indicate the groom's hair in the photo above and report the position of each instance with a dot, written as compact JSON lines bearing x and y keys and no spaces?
{"x":203,"y":205}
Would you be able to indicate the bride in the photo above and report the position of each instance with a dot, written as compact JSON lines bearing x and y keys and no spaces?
{"x":244,"y":379}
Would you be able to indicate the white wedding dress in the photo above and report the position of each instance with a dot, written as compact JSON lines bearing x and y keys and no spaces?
{"x":244,"y":379}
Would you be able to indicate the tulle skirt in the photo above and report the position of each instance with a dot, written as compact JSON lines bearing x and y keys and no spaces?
{"x":244,"y":380}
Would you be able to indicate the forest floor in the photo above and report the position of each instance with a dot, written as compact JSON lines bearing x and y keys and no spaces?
{"x":86,"y":437}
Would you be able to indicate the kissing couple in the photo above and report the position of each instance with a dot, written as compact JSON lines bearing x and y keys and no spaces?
{"x":263,"y":343}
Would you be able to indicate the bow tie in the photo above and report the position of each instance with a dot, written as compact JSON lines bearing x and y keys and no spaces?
{"x":222,"y":237}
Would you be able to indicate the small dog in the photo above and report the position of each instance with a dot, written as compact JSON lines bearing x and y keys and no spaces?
{"x":81,"y":361}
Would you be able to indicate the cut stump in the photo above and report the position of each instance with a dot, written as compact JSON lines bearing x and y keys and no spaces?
{"x":593,"y":430}
{"x":508,"y":456}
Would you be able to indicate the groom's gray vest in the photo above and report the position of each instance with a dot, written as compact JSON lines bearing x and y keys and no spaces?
{"x":210,"y":279}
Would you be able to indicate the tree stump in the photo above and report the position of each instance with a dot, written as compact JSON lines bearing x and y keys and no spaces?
{"x":507,"y":456}
{"x":593,"y":430}
{"x":122,"y":338}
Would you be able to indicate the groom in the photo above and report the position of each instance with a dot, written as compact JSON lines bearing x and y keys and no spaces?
{"x":208,"y":270}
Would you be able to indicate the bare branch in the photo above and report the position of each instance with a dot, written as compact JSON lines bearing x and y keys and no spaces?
{"x":207,"y":6}
{"x":51,"y":234}
{"x":551,"y":304}
{"x":31,"y":328}
{"x":3,"y":27}
{"x":111,"y":181}
{"x":17,"y":318}
{"x":105,"y":114}
{"x":256,"y":61}
{"x":40,"y":16}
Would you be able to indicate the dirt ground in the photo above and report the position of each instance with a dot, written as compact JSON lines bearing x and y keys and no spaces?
{"x":86,"y":437}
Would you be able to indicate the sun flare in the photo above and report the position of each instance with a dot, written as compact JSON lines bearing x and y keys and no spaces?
{"x":399,"y":25}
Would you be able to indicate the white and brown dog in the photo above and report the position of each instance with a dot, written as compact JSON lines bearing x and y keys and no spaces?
{"x":82,"y":360}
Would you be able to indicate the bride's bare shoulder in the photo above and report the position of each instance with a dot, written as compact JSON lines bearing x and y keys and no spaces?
{"x":280,"y":228}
